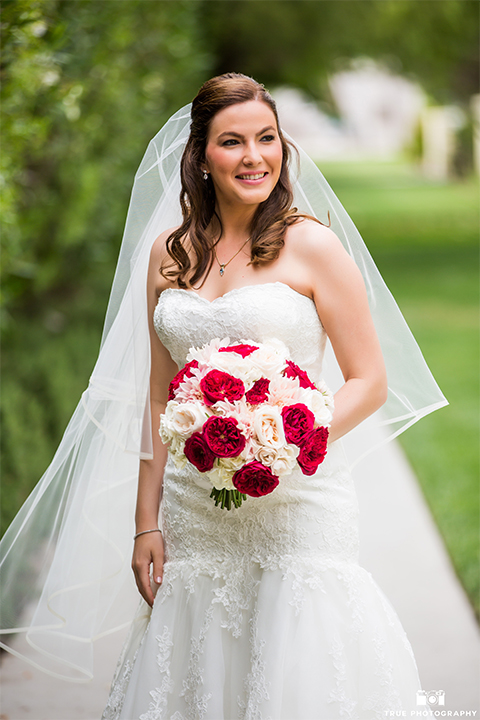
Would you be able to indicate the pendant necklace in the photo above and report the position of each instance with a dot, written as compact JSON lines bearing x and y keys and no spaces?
{"x":224,"y":265}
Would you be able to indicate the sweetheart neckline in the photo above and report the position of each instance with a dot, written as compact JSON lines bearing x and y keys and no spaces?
{"x":234,"y":290}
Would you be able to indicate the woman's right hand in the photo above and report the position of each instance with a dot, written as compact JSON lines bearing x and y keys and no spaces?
{"x":148,"y":549}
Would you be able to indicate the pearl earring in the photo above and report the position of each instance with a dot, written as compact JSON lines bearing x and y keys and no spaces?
{"x":205,"y":175}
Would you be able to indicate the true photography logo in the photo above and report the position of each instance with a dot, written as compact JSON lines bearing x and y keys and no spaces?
{"x":430,"y":703}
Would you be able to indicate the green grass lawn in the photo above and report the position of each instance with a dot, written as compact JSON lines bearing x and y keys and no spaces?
{"x":424,"y":238}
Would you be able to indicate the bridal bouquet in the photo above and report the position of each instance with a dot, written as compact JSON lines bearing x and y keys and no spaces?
{"x":245,"y":415}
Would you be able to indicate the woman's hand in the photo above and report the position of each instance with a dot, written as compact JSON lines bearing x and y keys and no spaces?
{"x":148,"y":549}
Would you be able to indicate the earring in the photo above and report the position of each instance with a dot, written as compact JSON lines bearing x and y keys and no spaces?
{"x":205,"y":175}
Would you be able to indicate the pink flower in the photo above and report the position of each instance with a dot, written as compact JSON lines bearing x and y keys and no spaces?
{"x":179,"y":377}
{"x":223,"y":436}
{"x":255,"y":479}
{"x":298,"y":421}
{"x":293,"y":371}
{"x":313,"y":450}
{"x":198,"y":453}
{"x":241,"y":349}
{"x":258,"y":393}
{"x":218,"y":385}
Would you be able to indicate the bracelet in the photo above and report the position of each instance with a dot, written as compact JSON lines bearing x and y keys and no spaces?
{"x":144,"y":532}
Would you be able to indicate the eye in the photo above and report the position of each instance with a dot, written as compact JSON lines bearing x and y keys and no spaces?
{"x":268,"y":138}
{"x":230,"y":142}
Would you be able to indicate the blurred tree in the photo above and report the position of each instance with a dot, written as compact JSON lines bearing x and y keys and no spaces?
{"x":85,"y":85}
{"x":300,"y":42}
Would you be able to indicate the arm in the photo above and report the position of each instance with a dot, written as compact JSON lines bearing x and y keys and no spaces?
{"x":149,"y":548}
{"x":341,"y":300}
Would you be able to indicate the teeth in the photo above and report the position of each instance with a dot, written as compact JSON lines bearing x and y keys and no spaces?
{"x":252,"y":177}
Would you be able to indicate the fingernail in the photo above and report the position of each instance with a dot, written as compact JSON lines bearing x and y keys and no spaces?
{"x":158,"y":580}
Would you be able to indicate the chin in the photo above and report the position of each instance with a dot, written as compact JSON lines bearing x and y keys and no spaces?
{"x":255,"y":198}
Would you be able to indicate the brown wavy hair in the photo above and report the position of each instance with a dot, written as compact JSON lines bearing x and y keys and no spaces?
{"x":197,"y":196}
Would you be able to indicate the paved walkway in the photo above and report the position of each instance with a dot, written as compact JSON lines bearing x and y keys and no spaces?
{"x":402,"y":549}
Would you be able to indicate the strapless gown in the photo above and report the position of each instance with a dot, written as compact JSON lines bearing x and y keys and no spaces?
{"x":264,"y":612}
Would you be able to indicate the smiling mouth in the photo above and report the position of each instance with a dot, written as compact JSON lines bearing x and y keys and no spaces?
{"x":253,"y":176}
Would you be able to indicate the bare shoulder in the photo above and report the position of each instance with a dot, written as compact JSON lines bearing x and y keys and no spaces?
{"x":159,"y":257}
{"x":315,"y":244}
{"x":159,"y":247}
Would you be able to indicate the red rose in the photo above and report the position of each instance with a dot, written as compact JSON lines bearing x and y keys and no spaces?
{"x":218,"y":385}
{"x":313,"y":450}
{"x":255,"y":479}
{"x":223,"y":436}
{"x":242,"y":349}
{"x":198,"y":453}
{"x":294,"y":371}
{"x":298,"y":421}
{"x":258,"y":393}
{"x":179,"y":378}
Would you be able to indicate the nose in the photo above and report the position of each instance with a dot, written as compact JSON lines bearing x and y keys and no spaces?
{"x":252,"y":154}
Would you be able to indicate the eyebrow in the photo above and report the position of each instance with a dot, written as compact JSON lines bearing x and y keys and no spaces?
{"x":235,"y":134}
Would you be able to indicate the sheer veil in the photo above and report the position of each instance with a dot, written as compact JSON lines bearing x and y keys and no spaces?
{"x":65,"y":559}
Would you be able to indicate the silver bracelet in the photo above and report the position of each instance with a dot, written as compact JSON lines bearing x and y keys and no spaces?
{"x":144,"y":532}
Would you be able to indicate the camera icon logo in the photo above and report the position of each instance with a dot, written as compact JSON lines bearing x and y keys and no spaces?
{"x":430,"y":697}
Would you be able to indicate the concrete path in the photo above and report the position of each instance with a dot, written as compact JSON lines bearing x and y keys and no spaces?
{"x":402,"y":549}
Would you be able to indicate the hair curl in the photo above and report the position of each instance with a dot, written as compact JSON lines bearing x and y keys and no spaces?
{"x":197,"y":196}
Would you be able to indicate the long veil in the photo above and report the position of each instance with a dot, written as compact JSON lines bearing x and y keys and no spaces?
{"x":65,"y":559}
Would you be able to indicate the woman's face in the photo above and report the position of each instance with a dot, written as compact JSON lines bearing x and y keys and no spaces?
{"x":243,"y":153}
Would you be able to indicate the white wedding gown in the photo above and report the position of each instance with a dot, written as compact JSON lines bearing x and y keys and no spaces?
{"x":264,"y":612}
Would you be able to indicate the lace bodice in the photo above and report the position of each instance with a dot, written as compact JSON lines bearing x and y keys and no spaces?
{"x":256,"y":312}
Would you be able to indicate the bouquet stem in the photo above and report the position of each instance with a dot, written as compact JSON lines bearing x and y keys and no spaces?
{"x":227,"y":498}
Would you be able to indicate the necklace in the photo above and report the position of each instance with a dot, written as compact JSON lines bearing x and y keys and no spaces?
{"x":224,"y":265}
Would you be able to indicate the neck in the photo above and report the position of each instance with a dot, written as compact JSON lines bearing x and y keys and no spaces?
{"x":235,"y":222}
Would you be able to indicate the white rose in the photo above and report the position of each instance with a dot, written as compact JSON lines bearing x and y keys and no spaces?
{"x":270,"y":358}
{"x":321,"y":405}
{"x":281,"y":461}
{"x":264,"y":454}
{"x":165,"y":430}
{"x":187,"y":418}
{"x":176,"y":449}
{"x":222,"y":472}
{"x":327,"y":393}
{"x":285,"y":460}
{"x":268,"y":426}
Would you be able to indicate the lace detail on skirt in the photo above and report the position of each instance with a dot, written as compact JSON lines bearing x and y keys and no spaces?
{"x":158,"y":705}
{"x":255,"y":683}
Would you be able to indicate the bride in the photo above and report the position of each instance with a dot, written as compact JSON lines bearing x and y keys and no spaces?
{"x":261,"y":611}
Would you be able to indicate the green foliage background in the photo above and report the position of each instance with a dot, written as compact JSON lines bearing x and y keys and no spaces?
{"x":86,"y":84}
